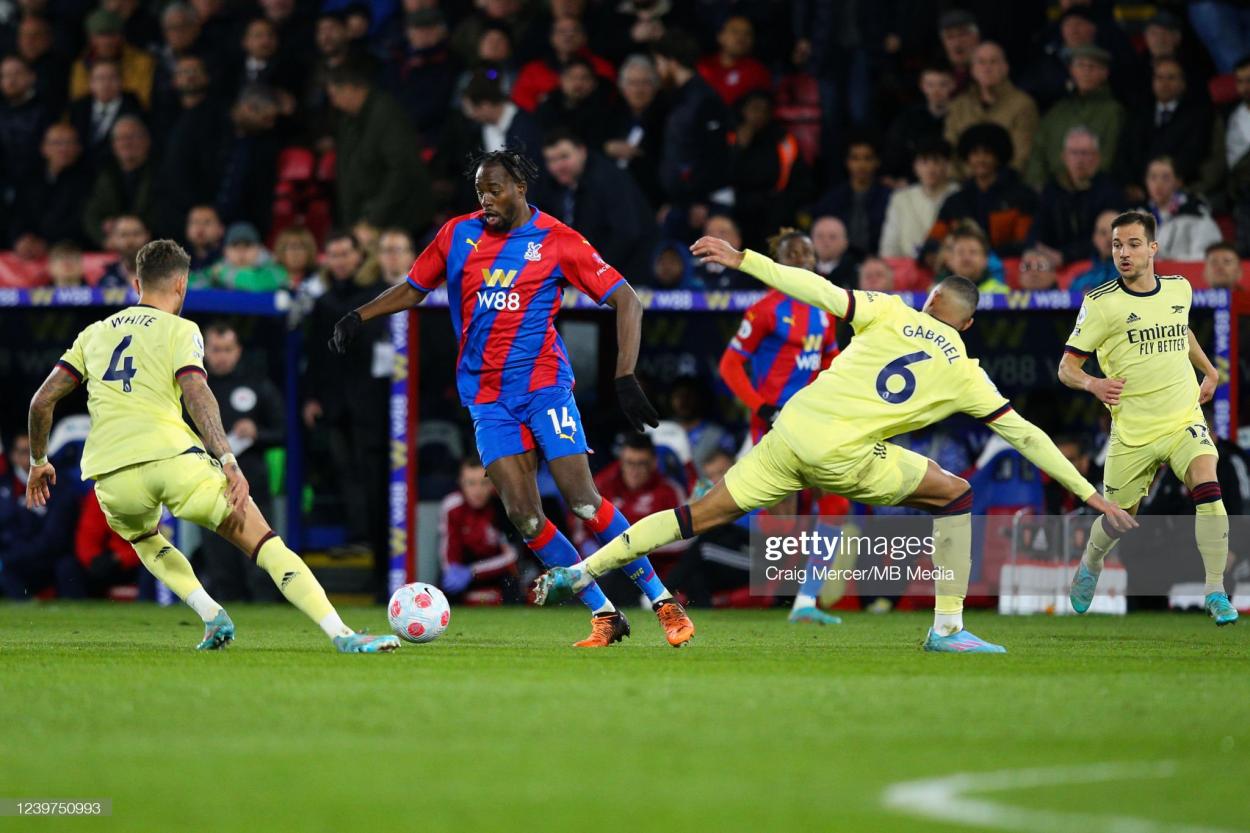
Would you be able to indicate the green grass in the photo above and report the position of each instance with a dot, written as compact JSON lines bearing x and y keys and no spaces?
{"x":499,"y":725}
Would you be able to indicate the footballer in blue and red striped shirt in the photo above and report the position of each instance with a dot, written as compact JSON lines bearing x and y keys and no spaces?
{"x":506,"y":267}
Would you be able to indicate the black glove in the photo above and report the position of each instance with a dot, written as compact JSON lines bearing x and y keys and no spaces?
{"x":768,"y":413}
{"x":638,"y":410}
{"x":345,"y":331}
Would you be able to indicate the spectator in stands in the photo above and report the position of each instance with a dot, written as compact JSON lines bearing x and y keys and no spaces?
{"x":262,"y":62}
{"x":32,"y":541}
{"x":345,"y":410}
{"x":1102,"y":266}
{"x":875,"y":275}
{"x":479,"y":563}
{"x":540,"y":77}
{"x":249,"y":157}
{"x":587,"y":192}
{"x":992,"y":97}
{"x":190,"y":164}
{"x":204,"y":236}
{"x":1221,"y":267}
{"x":125,"y":183}
{"x":1076,"y":448}
{"x":334,"y":51}
{"x":694,"y":160}
{"x":23,"y":119}
{"x":65,"y":265}
{"x":634,"y":484}
{"x":635,"y":139}
{"x":496,"y":55}
{"x":960,"y":37}
{"x":395,"y":255}
{"x":967,"y":254}
{"x":35,"y":46}
{"x":94,"y":115}
{"x":719,"y":560}
{"x":295,"y":250}
{"x":672,"y":268}
{"x":1091,"y":104}
{"x":105,"y":559}
{"x":1073,"y":199}
{"x":767,"y":172}
{"x":127,"y":234}
{"x":912,"y":210}
{"x":919,"y":123}
{"x":505,"y":13}
{"x":378,"y":175}
{"x":220,"y":34}
{"x":180,"y":26}
{"x":834,"y":260}
{"x":1175,"y":123}
{"x":713,"y":275}
{"x":246,"y":266}
{"x":1185,"y":226}
{"x":860,"y":202}
{"x":1237,"y":153}
{"x":581,"y":104}
{"x":690,"y":402}
{"x":423,"y":73}
{"x":1047,"y":79}
{"x":993,"y":197}
{"x":295,"y":31}
{"x":732,"y":71}
{"x":105,"y":42}
{"x":1224,"y":28}
{"x":253,"y":416}
{"x":50,"y":196}
{"x":1037,"y":270}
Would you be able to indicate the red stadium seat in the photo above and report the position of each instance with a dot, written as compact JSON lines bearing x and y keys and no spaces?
{"x":325,"y":167}
{"x":295,"y":164}
{"x":1223,"y":89}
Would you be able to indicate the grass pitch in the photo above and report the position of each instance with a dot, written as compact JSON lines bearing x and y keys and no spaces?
{"x":759,"y":726}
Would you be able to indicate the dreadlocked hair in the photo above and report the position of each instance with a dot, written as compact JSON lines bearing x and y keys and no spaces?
{"x":779,"y":239}
{"x":519,"y":166}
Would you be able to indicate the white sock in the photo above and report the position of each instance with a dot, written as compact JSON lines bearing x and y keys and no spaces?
{"x":1213,"y":588}
{"x":203,"y":604}
{"x":803,"y":600}
{"x":946,"y":624}
{"x":581,"y":577}
{"x":333,"y":625}
{"x":606,"y":607}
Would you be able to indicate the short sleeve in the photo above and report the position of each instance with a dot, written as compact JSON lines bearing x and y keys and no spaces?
{"x":585,"y":269}
{"x":981,"y":397}
{"x":1089,"y":332}
{"x":865,"y":308}
{"x":73,"y":361}
{"x":759,"y":321}
{"x":429,"y":270}
{"x":188,"y":350}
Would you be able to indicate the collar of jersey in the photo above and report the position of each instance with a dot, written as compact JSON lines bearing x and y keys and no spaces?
{"x":1124,"y":286}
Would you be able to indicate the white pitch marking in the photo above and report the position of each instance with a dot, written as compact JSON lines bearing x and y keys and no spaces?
{"x":948,"y":799}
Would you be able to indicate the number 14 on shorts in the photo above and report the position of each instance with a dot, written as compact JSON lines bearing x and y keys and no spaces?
{"x":563,"y":424}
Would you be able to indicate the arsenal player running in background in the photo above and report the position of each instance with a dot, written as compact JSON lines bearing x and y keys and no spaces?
{"x":506,"y":267}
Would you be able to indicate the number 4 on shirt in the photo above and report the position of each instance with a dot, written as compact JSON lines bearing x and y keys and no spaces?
{"x":126,"y":371}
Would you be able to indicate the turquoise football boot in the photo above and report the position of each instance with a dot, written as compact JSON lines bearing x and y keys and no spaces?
{"x":366,"y":643}
{"x":1083,"y":585}
{"x":1220,"y":609}
{"x":814,"y":615}
{"x":554,"y":586}
{"x":961,"y":642}
{"x":218,"y":633}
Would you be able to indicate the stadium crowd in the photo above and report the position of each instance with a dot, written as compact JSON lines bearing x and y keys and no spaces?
{"x":315,"y":147}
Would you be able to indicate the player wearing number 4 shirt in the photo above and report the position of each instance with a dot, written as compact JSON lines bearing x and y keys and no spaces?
{"x":905,"y":369}
{"x":506,"y":267}
{"x":1138,"y":325}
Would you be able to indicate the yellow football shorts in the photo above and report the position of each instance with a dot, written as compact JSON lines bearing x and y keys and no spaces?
{"x":880,"y":474}
{"x":1130,"y":469}
{"x":192,"y":485}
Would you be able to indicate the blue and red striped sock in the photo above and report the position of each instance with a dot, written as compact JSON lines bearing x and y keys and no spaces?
{"x":554,"y":550}
{"x":606,"y":524}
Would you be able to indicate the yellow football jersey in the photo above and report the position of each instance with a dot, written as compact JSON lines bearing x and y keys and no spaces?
{"x":130,"y":362}
{"x":1142,"y":338}
{"x":904,"y":370}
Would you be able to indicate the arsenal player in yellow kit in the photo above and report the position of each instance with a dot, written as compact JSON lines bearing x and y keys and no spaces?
{"x":905,"y":369}
{"x":1138,"y":325}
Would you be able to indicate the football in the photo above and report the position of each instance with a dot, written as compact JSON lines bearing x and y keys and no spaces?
{"x":418,"y":612}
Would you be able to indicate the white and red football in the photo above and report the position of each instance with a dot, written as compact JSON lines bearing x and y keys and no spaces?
{"x":418,"y":612}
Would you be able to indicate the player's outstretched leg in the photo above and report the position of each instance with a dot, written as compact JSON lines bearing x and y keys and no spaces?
{"x":1102,"y":539}
{"x":163,"y":560}
{"x":607,"y":624}
{"x":1211,"y":532}
{"x":607,"y":522}
{"x":297,"y":583}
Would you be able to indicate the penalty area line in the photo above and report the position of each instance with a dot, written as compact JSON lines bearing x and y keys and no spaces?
{"x":955,"y":799}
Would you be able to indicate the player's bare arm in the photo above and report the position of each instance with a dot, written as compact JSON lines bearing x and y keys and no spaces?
{"x":42,"y":475}
{"x":206,"y":414}
{"x":396,"y":299}
{"x":799,"y":284}
{"x":638,"y":409}
{"x":1210,"y":376}
{"x":1072,"y":374}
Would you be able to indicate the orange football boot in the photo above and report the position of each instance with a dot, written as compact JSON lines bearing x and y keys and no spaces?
{"x":605,"y":628}
{"x":678,"y":628}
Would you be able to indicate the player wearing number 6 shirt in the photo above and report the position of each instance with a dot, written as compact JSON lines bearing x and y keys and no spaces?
{"x":506,"y":267}
{"x":905,"y":369}
{"x":1138,"y":325}
{"x":140,"y":366}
